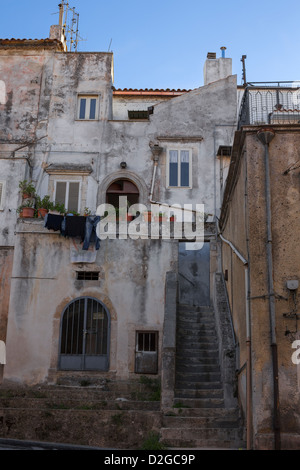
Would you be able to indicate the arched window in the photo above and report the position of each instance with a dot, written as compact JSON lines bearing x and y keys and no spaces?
{"x":84,"y":335}
{"x":122,"y":187}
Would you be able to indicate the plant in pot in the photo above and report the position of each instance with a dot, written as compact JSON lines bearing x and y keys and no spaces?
{"x":26,"y":210}
{"x":59,"y":207}
{"x":147,"y":216}
{"x":44,"y":205}
{"x":86,"y":212}
{"x":27,"y":189}
{"x":160,"y":217}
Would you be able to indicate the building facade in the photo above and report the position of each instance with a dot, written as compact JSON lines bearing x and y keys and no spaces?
{"x":84,"y":144}
{"x":258,"y":228}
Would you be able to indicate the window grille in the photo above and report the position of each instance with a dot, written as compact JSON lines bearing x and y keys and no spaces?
{"x":87,"y":275}
{"x":146,"y":354}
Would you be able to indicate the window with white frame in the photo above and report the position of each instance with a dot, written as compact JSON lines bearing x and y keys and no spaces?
{"x":179,"y":168}
{"x":2,"y":194}
{"x":68,"y":193}
{"x":88,"y":107}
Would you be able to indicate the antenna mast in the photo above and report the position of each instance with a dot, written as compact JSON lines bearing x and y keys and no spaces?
{"x":70,"y":26}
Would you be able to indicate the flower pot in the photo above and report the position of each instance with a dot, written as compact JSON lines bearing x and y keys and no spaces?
{"x":129,"y":217}
{"x":172,"y":218}
{"x":160,"y":219}
{"x":42,"y":212}
{"x":27,"y":212}
{"x":147,"y":216}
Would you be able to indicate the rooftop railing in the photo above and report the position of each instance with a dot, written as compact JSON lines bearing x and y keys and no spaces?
{"x":270,"y":103}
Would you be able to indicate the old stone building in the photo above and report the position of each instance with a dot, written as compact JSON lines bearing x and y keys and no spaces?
{"x":258,"y":227}
{"x":142,"y":298}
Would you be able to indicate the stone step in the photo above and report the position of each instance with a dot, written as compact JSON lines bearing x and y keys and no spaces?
{"x":185,"y":399}
{"x":196,"y":318}
{"x":196,"y":368}
{"x":193,"y":308}
{"x":199,"y":378}
{"x":182,"y":409}
{"x":77,"y":404}
{"x":199,"y":393}
{"x":200,"y":328}
{"x":192,"y":361}
{"x":201,"y":422}
{"x":109,"y":391}
{"x":196,"y":336}
{"x":202,"y":437}
{"x":197,"y":352}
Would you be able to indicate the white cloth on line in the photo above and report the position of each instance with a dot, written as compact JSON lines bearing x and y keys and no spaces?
{"x":2,"y":353}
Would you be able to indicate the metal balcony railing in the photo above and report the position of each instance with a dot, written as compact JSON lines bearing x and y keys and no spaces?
{"x":270,"y":103}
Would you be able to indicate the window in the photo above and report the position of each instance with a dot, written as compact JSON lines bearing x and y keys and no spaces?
{"x":87,"y":275}
{"x":88,"y":107}
{"x":67,"y":193}
{"x":179,"y":168}
{"x":2,"y":194}
{"x":146,"y":352}
{"x":138,"y":115}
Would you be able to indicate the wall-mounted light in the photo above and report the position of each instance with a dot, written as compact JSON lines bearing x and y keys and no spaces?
{"x":123,"y":165}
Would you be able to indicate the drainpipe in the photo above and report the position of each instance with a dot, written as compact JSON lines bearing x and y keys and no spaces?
{"x":248,"y":341}
{"x":266,"y":136}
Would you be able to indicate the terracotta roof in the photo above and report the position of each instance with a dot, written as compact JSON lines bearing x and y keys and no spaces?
{"x":11,"y":42}
{"x":149,"y":91}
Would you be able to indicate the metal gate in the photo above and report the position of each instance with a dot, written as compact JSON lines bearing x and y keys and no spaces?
{"x":84,"y":336}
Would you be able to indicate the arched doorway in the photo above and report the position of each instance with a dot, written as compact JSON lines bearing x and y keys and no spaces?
{"x":122,"y":187}
{"x":84,"y":335}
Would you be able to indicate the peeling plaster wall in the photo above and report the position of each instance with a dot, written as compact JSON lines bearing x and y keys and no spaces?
{"x":131,"y":285}
{"x":285,"y":195}
{"x":132,"y":273}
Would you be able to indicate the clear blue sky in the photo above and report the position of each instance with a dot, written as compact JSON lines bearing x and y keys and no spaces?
{"x":164,"y":43}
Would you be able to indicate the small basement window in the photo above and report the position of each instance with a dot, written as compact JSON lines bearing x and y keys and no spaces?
{"x":87,"y":275}
{"x":146,"y":353}
{"x":138,"y":114}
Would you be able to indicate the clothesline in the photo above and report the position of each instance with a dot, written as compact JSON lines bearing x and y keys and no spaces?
{"x":83,"y":227}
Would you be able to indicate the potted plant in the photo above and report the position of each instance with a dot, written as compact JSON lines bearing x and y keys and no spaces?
{"x":43,"y":205}
{"x":147,"y":216}
{"x":59,"y":208}
{"x":26,"y":210}
{"x":27,"y":189}
{"x":86,"y":212}
{"x":160,"y":218}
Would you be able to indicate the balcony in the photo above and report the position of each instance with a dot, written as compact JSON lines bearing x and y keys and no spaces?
{"x":270,"y":103}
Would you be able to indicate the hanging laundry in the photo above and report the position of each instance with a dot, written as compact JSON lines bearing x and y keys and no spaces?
{"x":90,"y":232}
{"x":53,"y":221}
{"x":75,"y":226}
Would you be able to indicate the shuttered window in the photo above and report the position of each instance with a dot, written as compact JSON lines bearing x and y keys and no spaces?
{"x":88,"y":107}
{"x":179,"y":169}
{"x":67,"y":193}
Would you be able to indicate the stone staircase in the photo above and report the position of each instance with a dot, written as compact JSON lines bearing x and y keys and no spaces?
{"x":199,"y":418}
{"x":80,"y":411}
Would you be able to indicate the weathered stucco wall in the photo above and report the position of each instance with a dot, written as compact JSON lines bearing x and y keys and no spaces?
{"x":131,"y":285}
{"x":283,"y":153}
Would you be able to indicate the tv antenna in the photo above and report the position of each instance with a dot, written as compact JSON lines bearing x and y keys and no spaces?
{"x":69,"y":21}
{"x":244,"y":57}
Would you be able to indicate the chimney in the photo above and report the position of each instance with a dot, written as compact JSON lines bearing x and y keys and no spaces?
{"x":57,"y":30}
{"x":216,"y":69}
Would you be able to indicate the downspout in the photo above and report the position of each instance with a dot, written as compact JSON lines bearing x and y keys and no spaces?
{"x":248,"y":342}
{"x":266,"y":136}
